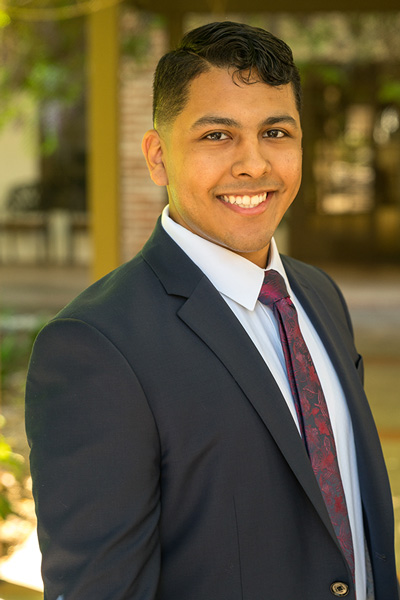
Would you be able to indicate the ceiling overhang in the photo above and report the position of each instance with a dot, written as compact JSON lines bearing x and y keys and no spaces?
{"x":170,"y":7}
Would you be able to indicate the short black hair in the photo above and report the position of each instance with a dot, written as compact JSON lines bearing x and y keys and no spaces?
{"x":251,"y":52}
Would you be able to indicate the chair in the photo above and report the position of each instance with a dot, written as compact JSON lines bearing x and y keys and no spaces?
{"x":25,"y":215}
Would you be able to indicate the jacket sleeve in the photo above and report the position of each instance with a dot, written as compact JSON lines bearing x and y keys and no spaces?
{"x":95,"y":467}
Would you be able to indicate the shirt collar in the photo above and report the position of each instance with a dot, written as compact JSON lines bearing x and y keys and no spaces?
{"x":231,"y":274}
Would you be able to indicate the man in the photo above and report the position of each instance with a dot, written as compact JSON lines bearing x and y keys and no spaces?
{"x":170,"y":434}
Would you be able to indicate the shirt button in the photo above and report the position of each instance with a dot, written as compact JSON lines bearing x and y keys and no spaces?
{"x":339,"y":589}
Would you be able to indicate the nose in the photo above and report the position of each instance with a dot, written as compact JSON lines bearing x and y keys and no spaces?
{"x":251,"y":161}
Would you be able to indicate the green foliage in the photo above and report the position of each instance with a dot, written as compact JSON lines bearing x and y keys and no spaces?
{"x":15,"y":348}
{"x":328,"y":74}
{"x":134,"y":45}
{"x":44,"y":58}
{"x":45,"y":61}
{"x":8,"y":459}
{"x":12,"y":463}
{"x":5,"y":507}
{"x":16,"y":345}
{"x":14,"y":352}
{"x":390,"y":92}
{"x":4,"y":19}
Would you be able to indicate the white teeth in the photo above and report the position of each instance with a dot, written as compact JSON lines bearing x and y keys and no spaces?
{"x":245,"y":201}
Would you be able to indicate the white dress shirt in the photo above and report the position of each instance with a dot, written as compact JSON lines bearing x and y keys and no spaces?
{"x":239,"y":282}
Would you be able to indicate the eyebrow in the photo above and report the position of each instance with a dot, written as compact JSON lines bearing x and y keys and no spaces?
{"x":280,"y":119}
{"x":214,"y":120}
{"x":227,"y":122}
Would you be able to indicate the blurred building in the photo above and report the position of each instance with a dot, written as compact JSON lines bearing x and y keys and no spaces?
{"x":95,"y":180}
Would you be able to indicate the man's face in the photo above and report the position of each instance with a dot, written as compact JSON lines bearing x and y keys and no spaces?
{"x":231,"y":161}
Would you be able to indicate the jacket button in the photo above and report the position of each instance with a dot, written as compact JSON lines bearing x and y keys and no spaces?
{"x":339,"y":589}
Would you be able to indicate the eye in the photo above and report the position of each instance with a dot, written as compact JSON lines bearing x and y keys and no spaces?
{"x":216,"y":136}
{"x":275,"y":133}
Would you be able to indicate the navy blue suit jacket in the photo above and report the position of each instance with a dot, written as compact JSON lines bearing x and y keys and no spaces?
{"x":165,"y":462}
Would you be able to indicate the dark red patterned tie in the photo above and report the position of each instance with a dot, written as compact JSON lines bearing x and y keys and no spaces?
{"x":311,"y":408}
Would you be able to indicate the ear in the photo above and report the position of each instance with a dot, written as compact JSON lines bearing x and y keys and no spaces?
{"x":153,"y":153}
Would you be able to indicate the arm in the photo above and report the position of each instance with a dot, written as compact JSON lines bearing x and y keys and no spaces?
{"x":95,"y":468}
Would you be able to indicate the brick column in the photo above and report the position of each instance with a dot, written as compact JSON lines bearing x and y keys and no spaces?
{"x":141,"y":200}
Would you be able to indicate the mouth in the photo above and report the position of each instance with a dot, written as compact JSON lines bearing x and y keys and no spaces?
{"x":245,"y":201}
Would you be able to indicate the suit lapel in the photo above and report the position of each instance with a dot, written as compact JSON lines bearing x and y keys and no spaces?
{"x":341,"y":355}
{"x":324,"y":322}
{"x":338,"y":351}
{"x":207,"y":315}
{"x":374,"y":484}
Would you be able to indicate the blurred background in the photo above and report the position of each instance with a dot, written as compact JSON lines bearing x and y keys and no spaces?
{"x":76,"y":200}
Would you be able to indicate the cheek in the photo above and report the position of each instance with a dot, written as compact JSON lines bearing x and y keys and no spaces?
{"x":292,"y":169}
{"x":196,"y":179}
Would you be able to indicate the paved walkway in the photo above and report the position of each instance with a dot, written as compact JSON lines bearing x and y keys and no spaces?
{"x":373,"y":297}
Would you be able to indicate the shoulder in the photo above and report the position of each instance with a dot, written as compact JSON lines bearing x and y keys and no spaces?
{"x":311,"y":276}
{"x":314,"y":275}
{"x":111,"y":292}
{"x":316,"y":282}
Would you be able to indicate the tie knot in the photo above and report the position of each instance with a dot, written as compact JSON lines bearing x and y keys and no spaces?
{"x":273,"y":288}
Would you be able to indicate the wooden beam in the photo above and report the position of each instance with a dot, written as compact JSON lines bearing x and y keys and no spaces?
{"x":103,"y":109}
{"x":260,"y":6}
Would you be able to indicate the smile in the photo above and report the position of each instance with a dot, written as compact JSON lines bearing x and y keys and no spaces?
{"x":245,"y":201}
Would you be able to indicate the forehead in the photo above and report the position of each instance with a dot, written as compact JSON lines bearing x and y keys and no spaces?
{"x":219,"y":92}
